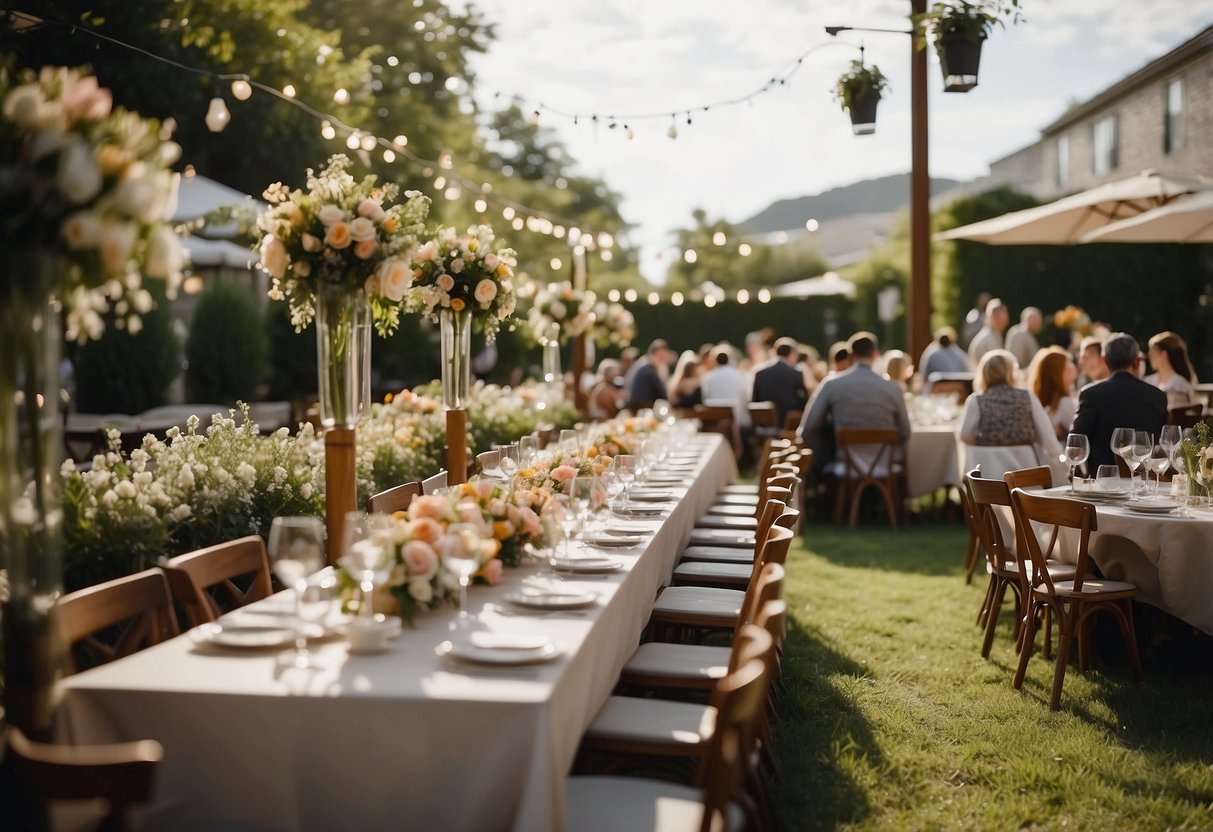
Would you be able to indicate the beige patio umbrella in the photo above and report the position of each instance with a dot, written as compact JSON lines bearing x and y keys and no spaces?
{"x":1188,"y":219}
{"x":1069,"y":219}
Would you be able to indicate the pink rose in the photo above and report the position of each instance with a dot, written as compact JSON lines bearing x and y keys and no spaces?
{"x":421,"y":560}
{"x":362,"y":229}
{"x":486,"y":290}
{"x":425,"y":529}
{"x":427,"y":252}
{"x":370,"y":209}
{"x":485,"y":488}
{"x":563,"y":473}
{"x":530,"y":522}
{"x":492,"y":571}
{"x":446,"y":283}
{"x":428,"y":506}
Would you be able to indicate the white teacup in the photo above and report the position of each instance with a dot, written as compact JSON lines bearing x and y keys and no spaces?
{"x":371,"y":635}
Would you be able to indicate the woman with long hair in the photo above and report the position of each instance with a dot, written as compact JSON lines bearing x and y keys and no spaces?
{"x":685,"y":381}
{"x":1051,"y":378}
{"x":1173,"y":372}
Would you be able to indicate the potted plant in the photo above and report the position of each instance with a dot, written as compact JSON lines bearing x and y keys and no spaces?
{"x":958,"y":30}
{"x":858,"y":90}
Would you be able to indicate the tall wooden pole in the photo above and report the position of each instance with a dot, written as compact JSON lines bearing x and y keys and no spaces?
{"x":580,"y":280}
{"x":456,"y":446}
{"x":920,"y":199}
{"x":340,"y":486}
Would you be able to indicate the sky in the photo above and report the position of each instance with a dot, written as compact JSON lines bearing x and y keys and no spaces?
{"x":641,"y":56}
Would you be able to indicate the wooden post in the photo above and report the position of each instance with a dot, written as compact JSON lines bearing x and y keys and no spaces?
{"x":456,"y":446}
{"x":919,"y":334}
{"x":580,"y":280}
{"x":340,"y":486}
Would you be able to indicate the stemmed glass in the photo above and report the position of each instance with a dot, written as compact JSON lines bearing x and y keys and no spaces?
{"x":575,"y":503}
{"x":1169,"y":439}
{"x":509,"y":462}
{"x":625,"y":469}
{"x":1143,"y":446}
{"x":296,"y":548}
{"x":368,"y":554}
{"x":1122,"y":446}
{"x":568,"y":440}
{"x":1077,"y":449}
{"x":460,"y":549}
{"x":1158,"y":462}
{"x":528,"y":449}
{"x":613,"y":486}
{"x":1181,"y":467}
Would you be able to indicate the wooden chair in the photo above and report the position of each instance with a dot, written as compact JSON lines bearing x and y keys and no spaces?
{"x":718,"y":799}
{"x":737,"y":545}
{"x":719,"y":419}
{"x":791,"y":424}
{"x":1186,"y":416}
{"x":1072,"y":601}
{"x":120,"y":774}
{"x":972,"y":522}
{"x":957,"y":384}
{"x":431,"y":484}
{"x":486,"y":460}
{"x":731,"y":574}
{"x":116,"y":618}
{"x":203,"y":582}
{"x":764,"y":423}
{"x":397,"y":498}
{"x":869,"y":460}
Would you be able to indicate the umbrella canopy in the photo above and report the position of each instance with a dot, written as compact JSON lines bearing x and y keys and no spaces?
{"x":827,"y":284}
{"x":1186,"y":220}
{"x":1069,"y":219}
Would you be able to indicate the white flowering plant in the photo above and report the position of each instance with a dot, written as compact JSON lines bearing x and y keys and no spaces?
{"x":563,"y":309}
{"x":91,"y":184}
{"x":465,"y":272}
{"x":614,"y":325}
{"x":343,"y":234}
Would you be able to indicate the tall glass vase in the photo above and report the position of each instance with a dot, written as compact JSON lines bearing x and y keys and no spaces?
{"x":343,"y":356}
{"x":31,"y":517}
{"x":456,"y":332}
{"x":552,"y":374}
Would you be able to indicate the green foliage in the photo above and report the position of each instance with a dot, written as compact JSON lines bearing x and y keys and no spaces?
{"x":973,"y":20}
{"x":858,"y":83}
{"x":724,"y":266}
{"x":227,"y":346}
{"x":124,"y":373}
{"x":292,"y":355}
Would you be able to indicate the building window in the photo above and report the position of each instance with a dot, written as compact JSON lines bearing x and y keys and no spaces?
{"x":1063,"y":161}
{"x":1173,"y":125}
{"x":1107,"y":154}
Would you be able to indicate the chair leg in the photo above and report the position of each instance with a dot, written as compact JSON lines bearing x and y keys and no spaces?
{"x":1048,"y":651}
{"x":1131,"y":638}
{"x":1084,"y":643}
{"x":1067,"y":624}
{"x":890,"y":503}
{"x":970,"y":557}
{"x":840,"y":499}
{"x":987,"y":601}
{"x":856,"y":499}
{"x":992,"y":616}
{"x":1025,"y":650}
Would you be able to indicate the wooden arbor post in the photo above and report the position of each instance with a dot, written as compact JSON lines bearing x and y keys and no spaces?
{"x":340,"y":486}
{"x":580,"y":280}
{"x":456,"y":446}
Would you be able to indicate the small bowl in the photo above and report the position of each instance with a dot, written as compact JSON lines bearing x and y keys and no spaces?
{"x":371,"y":636}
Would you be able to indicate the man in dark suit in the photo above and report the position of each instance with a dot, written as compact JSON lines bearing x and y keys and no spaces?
{"x":1120,"y":401}
{"x":780,"y":382}
{"x":648,"y":384}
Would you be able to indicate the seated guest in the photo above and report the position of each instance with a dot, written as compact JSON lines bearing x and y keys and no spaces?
{"x":781,"y":382}
{"x":1003,"y":426}
{"x":856,"y":398}
{"x":1090,"y":361}
{"x":897,"y":368}
{"x":648,"y":382}
{"x":685,"y":382}
{"x":1121,"y":401}
{"x":607,"y":391}
{"x":1172,"y":374}
{"x":707,"y":360}
{"x":943,"y":355}
{"x":1051,"y":379}
{"x":839,"y":358}
{"x":725,"y":384}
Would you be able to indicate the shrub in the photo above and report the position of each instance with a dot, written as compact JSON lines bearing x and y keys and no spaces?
{"x":227,"y":346}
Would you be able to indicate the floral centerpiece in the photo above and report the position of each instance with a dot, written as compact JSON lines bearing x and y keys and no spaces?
{"x":551,"y":472}
{"x":614,"y":325}
{"x":1194,"y":457}
{"x":1071,"y":325}
{"x":87,"y":190}
{"x":561,"y":312}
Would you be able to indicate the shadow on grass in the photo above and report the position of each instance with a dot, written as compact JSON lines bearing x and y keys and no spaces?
{"x":922,"y":550}
{"x":821,"y":736}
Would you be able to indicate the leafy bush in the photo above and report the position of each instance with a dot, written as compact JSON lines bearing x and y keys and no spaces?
{"x":227,"y":346}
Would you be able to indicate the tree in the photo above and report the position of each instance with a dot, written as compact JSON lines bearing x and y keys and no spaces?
{"x":718,"y":258}
{"x":227,"y":346}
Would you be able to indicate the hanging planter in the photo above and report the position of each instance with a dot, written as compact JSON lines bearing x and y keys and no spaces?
{"x":958,"y":30}
{"x":858,"y":91}
{"x":959,"y":59}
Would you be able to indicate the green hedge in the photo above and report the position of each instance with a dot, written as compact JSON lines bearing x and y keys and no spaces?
{"x":227,"y":346}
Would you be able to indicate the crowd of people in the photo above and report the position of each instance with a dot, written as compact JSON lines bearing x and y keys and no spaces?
{"x":1026,"y":397}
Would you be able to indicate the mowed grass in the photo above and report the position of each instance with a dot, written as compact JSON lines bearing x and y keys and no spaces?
{"x":891,"y":719}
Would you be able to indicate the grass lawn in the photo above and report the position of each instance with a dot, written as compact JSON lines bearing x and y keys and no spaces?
{"x":892,"y":720}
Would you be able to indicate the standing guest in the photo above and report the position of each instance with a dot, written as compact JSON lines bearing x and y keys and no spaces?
{"x":990,"y":336}
{"x":1051,"y":379}
{"x":1172,"y":374}
{"x":974,"y":320}
{"x":855,"y":398}
{"x":898,"y":369}
{"x":726,"y":384}
{"x":1003,"y":426}
{"x":648,"y":383}
{"x":685,"y":382}
{"x":1121,"y":401}
{"x":943,"y":355}
{"x":781,"y":382}
{"x":1021,"y":338}
{"x":605,"y":394}
{"x":1091,"y":366}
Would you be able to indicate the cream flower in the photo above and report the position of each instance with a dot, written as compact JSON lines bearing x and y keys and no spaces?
{"x":421,"y":560}
{"x":330,"y":215}
{"x":486,"y":290}
{"x":366,"y":249}
{"x":79,"y":177}
{"x":117,"y":242}
{"x":395,"y":277}
{"x":82,"y":230}
{"x":164,"y":253}
{"x":427,"y":252}
{"x":421,"y":591}
{"x":362,"y":229}
{"x":311,"y":243}
{"x":274,"y":258}
{"x":371,"y":209}
{"x":457,"y":265}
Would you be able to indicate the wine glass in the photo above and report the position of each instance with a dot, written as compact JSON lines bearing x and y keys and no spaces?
{"x":613,"y":486}
{"x":1143,"y":445}
{"x":296,"y":549}
{"x":568,"y":440}
{"x":460,"y":550}
{"x":368,"y":554}
{"x":528,"y":449}
{"x":1077,"y":449}
{"x":1122,"y":443}
{"x":1169,"y":438}
{"x":1181,"y":467}
{"x":1158,"y":462}
{"x":625,"y":469}
{"x":509,"y":462}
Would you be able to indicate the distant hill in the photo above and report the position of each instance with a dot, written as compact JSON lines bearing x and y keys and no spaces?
{"x":871,"y":196}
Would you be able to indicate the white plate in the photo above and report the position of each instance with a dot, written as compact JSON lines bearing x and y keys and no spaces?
{"x":553,"y":600}
{"x":641,"y":511}
{"x":514,"y":650}
{"x":1152,"y":508}
{"x":652,"y":497}
{"x":628,"y":530}
{"x":588,"y":564}
{"x":615,"y":541}
{"x":244,"y":636}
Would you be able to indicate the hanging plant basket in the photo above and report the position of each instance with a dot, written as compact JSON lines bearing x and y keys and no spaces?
{"x":863,"y":113}
{"x":959,"y":59}
{"x":858,"y":91}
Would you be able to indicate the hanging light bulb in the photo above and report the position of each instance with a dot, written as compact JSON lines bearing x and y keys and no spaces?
{"x":368,"y":142}
{"x":481,"y":206}
{"x":241,"y":89}
{"x":389,"y":156}
{"x":327,"y":130}
{"x":217,"y":115}
{"x":439,"y":183}
{"x":289,"y":90}
{"x":673,"y":131}
{"x":353,"y":141}
{"x":630,"y":132}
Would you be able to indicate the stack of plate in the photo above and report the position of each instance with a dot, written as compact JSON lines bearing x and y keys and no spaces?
{"x":499,"y":648}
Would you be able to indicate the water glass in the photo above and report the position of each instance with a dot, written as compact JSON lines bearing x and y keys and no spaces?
{"x":625,"y":468}
{"x":1107,"y":478}
{"x":1077,"y":449}
{"x":369,"y":553}
{"x":296,"y":549}
{"x":460,"y":549}
{"x":528,"y":449}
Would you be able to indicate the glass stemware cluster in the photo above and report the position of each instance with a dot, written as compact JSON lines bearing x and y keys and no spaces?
{"x":1138,"y":450}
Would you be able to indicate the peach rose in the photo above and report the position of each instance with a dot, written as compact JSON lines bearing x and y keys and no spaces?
{"x":425,"y":529}
{"x":428,"y":505}
{"x":427,"y":252}
{"x":445,"y":282}
{"x":492,"y":571}
{"x":364,"y":249}
{"x":312,"y":243}
{"x":395,"y":277}
{"x":362,"y":229}
{"x":421,"y":560}
{"x":486,"y":290}
{"x":563,"y":473}
{"x":338,"y":235}
{"x":329,"y":215}
{"x":503,"y":529}
{"x":485,"y":488}
{"x":371,"y":209}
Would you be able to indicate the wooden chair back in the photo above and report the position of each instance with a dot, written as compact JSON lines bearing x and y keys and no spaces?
{"x":763,"y":415}
{"x":431,"y":484}
{"x":397,"y":498}
{"x":767,"y":587}
{"x":972,"y":522}
{"x":774,"y":553}
{"x":985,"y":494}
{"x":719,"y":419}
{"x":729,"y":758}
{"x":1058,"y":512}
{"x":544,"y":434}
{"x":208,"y":582}
{"x":791,"y":422}
{"x":1186,"y":416}
{"x":116,"y":618}
{"x":120,"y":774}
{"x":486,"y":460}
{"x":1039,"y":476}
{"x":869,"y":457}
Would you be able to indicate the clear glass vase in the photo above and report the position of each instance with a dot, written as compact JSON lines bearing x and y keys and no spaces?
{"x":343,"y":356}
{"x":31,"y":516}
{"x":456,"y":333}
{"x":552,"y":374}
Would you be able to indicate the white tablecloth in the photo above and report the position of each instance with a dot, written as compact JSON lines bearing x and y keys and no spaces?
{"x":395,"y":741}
{"x":932,"y":459}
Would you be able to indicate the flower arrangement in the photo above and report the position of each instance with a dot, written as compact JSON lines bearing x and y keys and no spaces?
{"x":614,"y":325}
{"x":91,"y":184}
{"x":561,"y":308}
{"x":1073,"y":319}
{"x":341,"y":234}
{"x":552,"y":471}
{"x":1195,"y":454}
{"x":465,"y":272}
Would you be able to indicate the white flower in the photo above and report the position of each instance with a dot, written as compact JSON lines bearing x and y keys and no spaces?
{"x":457,"y":265}
{"x":82,"y":230}
{"x":427,"y":252}
{"x":274,"y":257}
{"x":136,"y":195}
{"x":79,"y":177}
{"x":109,"y":498}
{"x":421,"y":591}
{"x":395,"y":277}
{"x":486,"y":290}
{"x":371,"y":209}
{"x":246,"y":473}
{"x":305,"y":491}
{"x":491,"y":260}
{"x":362,"y":229}
{"x":185,"y":478}
{"x":181,"y":512}
{"x":558,"y":310}
{"x":22,"y":103}
{"x":164,"y":253}
{"x":117,"y":242}
{"x":330,"y":215}
{"x":312,"y":243}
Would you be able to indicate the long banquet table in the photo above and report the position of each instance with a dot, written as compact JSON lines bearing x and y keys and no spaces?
{"x":402,"y":740}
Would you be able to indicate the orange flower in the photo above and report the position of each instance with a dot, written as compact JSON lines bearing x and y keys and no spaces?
{"x":390,"y":225}
{"x":457,"y":304}
{"x":592,"y":451}
{"x":387,"y":398}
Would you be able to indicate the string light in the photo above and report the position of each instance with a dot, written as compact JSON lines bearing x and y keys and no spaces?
{"x":690,"y":256}
{"x":613,"y":296}
{"x":719,"y":239}
{"x":744,"y":250}
{"x":289,"y":90}
{"x":341,"y":96}
{"x":654,"y":298}
{"x":676,"y":298}
{"x":389,"y":156}
{"x":743,"y":296}
{"x":556,"y":264}
{"x":217,"y":115}
{"x":631,"y":295}
{"x":709,"y":301}
{"x":481,"y":206}
{"x":764,"y":295}
{"x":241,"y":90}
